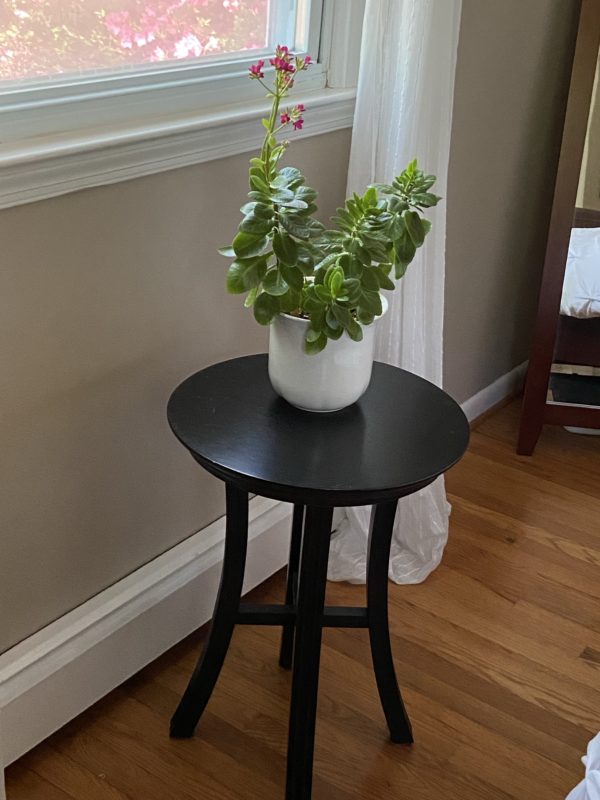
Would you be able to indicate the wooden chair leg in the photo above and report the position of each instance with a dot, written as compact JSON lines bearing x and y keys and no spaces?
{"x":380,"y":540}
{"x":286,"y":651}
{"x":207,"y":670}
{"x":307,"y":652}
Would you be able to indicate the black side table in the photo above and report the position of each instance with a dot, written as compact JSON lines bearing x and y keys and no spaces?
{"x":401,"y":435}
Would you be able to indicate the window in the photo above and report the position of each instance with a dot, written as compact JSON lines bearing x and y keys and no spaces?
{"x":41,"y":38}
{"x":96,"y":91}
{"x":70,"y":65}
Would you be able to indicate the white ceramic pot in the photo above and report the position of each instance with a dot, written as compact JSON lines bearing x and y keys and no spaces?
{"x":328,"y":381}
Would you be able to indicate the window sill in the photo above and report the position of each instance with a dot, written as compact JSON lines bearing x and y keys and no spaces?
{"x":47,"y":167}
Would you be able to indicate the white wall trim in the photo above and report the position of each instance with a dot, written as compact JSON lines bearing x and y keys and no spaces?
{"x":56,"y":165}
{"x":341,"y":37}
{"x":58,"y":672}
{"x":503,"y":387}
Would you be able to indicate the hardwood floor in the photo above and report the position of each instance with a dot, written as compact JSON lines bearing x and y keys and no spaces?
{"x":498,"y":654}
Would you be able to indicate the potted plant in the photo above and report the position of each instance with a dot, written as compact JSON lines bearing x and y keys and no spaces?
{"x":320,"y":288}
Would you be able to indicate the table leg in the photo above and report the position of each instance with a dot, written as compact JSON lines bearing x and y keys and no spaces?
{"x":380,"y":540}
{"x":287,"y":637}
{"x":209,"y":665}
{"x":307,"y":651}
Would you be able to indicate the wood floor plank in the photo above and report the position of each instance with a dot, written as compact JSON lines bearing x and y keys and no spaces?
{"x":23,"y":784}
{"x":497,"y":654}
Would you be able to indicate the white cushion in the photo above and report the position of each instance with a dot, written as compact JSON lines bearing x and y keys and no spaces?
{"x":581,"y":288}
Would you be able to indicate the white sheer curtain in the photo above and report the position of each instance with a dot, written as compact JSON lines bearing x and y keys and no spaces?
{"x":403,"y":110}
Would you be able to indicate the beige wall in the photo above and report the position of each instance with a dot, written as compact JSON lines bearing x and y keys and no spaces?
{"x":588,"y":191}
{"x":109,"y":298}
{"x":512,"y":74}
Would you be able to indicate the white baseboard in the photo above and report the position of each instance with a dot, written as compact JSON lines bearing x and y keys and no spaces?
{"x":58,"y":672}
{"x":504,"y":387}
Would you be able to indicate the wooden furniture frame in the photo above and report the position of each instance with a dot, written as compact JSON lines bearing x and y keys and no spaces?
{"x":553,"y":336}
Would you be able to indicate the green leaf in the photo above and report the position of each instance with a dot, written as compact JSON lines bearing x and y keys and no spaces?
{"x":343,"y":315}
{"x":384,"y":281}
{"x":306,"y":193}
{"x":246,"y":245}
{"x":285,"y":248}
{"x":396,"y":205}
{"x":370,"y":280}
{"x":363,"y":254}
{"x":259,"y":185}
{"x":312,"y":335}
{"x":249,"y":301}
{"x":263,"y":210}
{"x":334,"y":279}
{"x":312,"y":304}
{"x":288,"y":177}
{"x":228,"y":252}
{"x":400,"y":268}
{"x":235,"y":279}
{"x":352,"y":289}
{"x":425,"y":199}
{"x":370,"y":196}
{"x":336,"y":282}
{"x":308,"y":211}
{"x":292,"y":276}
{"x":256,"y":225}
{"x":405,"y":249}
{"x":300,"y":205}
{"x":371,"y":301}
{"x":354,"y":331}
{"x":365,"y":317}
{"x":295,"y":225}
{"x":282,"y":196}
{"x":414,"y":226}
{"x":265,"y":308}
{"x":312,"y":348}
{"x":331,"y":320}
{"x":322,"y":293}
{"x":334,"y":333}
{"x":273,"y":283}
{"x":327,"y":261}
{"x":260,"y":197}
{"x":245,"y":273}
{"x":291,"y":300}
{"x":305,"y":266}
{"x":353,"y":267}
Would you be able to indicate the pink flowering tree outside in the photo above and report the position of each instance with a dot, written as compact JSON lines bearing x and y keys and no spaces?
{"x":287,"y":262}
{"x":40,"y":38}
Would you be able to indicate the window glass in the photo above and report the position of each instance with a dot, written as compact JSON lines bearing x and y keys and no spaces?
{"x":49,"y":38}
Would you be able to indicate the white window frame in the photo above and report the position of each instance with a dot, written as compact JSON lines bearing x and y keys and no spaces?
{"x":62,"y":136}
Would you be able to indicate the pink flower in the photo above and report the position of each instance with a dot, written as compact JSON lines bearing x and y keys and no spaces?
{"x":285,"y":118}
{"x":303,"y":63}
{"x":282,"y":65}
{"x":298,"y":123}
{"x":299,"y":108}
{"x":256,"y":69}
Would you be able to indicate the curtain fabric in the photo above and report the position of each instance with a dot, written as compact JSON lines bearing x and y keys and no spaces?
{"x":403,"y":111}
{"x":589,"y":788}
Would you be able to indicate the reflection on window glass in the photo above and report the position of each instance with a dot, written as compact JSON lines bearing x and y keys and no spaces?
{"x":52,"y":37}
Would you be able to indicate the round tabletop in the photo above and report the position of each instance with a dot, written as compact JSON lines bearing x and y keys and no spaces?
{"x":400,"y":435}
